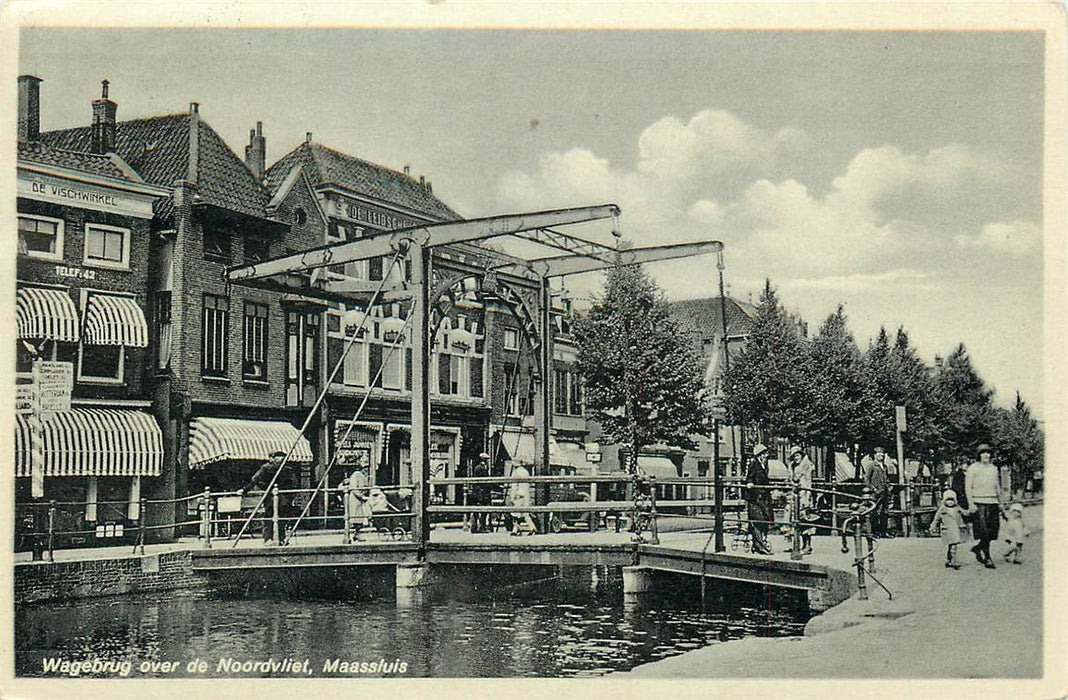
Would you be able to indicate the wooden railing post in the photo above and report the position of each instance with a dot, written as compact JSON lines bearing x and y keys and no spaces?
{"x":795,"y":506}
{"x":276,"y":534}
{"x":51,"y":530}
{"x":205,"y":518}
{"x":347,"y":515}
{"x":652,"y":512}
{"x":858,"y":551}
{"x":143,"y":506}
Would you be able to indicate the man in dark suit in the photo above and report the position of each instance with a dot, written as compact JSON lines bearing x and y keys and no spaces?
{"x":758,"y":500}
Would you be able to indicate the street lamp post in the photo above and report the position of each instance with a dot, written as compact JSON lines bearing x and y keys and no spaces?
{"x":717,"y":471}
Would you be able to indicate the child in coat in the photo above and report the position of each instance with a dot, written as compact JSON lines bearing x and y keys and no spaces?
{"x":1015,"y":532}
{"x":951,"y":520}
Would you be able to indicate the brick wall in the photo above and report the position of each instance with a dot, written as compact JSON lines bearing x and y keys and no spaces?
{"x":132,"y":281}
{"x":42,"y":581}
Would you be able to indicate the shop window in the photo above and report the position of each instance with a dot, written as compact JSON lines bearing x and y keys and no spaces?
{"x":162,"y":322}
{"x":41,"y":237}
{"x":511,"y":339}
{"x":107,"y":246}
{"x":215,"y":328}
{"x":254,"y":357}
{"x":217,"y":245}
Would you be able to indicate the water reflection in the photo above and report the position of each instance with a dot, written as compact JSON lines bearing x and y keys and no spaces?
{"x":479,"y":624}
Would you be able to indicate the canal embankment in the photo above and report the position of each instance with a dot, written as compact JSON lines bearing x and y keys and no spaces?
{"x":939,"y":623}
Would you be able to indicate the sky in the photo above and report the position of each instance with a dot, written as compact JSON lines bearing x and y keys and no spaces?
{"x":896,"y":173}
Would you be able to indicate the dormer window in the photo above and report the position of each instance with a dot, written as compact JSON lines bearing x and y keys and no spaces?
{"x":300,"y":217}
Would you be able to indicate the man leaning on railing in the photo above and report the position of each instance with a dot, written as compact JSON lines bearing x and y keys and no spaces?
{"x":758,"y":499}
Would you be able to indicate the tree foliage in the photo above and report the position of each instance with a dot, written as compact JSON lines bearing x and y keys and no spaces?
{"x":643,"y":378}
{"x":767,"y":385}
{"x":837,"y":381}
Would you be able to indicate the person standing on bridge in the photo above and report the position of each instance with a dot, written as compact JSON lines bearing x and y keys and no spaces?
{"x":983,"y":486}
{"x":758,"y":500}
{"x":258,"y":484}
{"x":878,"y":483}
{"x":480,"y":495}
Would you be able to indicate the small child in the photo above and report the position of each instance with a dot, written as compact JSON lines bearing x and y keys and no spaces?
{"x":951,"y":519}
{"x":1015,"y":532}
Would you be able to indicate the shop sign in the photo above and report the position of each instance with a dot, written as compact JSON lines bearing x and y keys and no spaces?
{"x":25,"y":399}
{"x":84,"y":196}
{"x":55,"y":382}
{"x":370,"y":217}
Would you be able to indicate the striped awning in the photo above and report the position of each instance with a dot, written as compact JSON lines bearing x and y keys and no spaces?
{"x":92,"y":442}
{"x":46,"y":314}
{"x":218,"y":439}
{"x":111,"y":320}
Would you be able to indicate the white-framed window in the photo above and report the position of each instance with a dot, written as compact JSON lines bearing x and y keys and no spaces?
{"x":511,"y":339}
{"x":107,"y":246}
{"x":254,"y":353}
{"x":100,"y":364}
{"x":393,"y":367}
{"x":41,"y":237}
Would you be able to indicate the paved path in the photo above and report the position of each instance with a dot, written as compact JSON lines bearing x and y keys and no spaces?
{"x":971,"y":623}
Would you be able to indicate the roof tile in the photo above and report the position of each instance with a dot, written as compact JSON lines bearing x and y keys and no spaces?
{"x":94,"y":163}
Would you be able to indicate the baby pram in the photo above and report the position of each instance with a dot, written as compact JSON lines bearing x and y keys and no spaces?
{"x":387,"y":511}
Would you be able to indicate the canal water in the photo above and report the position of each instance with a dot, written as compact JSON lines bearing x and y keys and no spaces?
{"x":539,"y":622}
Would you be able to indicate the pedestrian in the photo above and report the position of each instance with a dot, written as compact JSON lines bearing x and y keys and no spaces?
{"x":983,"y":487}
{"x":875,"y":478}
{"x":519,"y":497}
{"x":758,"y":500}
{"x":259,"y":483}
{"x":480,"y":495}
{"x":1015,"y":532}
{"x":358,"y":502}
{"x":956,"y":483}
{"x":802,"y":470}
{"x":950,"y":519}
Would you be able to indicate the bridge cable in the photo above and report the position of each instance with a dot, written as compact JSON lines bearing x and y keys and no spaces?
{"x":318,"y":401}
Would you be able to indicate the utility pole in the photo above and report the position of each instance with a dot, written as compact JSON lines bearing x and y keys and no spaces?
{"x":717,"y":470}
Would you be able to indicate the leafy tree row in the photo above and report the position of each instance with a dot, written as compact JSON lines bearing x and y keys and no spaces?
{"x":825,"y":391}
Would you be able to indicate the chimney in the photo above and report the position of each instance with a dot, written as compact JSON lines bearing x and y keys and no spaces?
{"x":429,"y":187}
{"x":408,"y":170}
{"x":194,"y":142}
{"x":256,"y":152}
{"x":422,"y":181}
{"x":29,"y":108}
{"x":307,"y":137}
{"x":103,"y":138}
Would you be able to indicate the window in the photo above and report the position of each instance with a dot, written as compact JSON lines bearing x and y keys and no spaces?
{"x":374,"y":269}
{"x":107,"y":246}
{"x":101,"y":362}
{"x":257,"y":249}
{"x":254,"y":358}
{"x":511,"y":339}
{"x":300,"y":216}
{"x":217,"y":245}
{"x":476,"y":377}
{"x":576,"y":394}
{"x":40,"y":237}
{"x":560,"y":391}
{"x":393,"y":367}
{"x":302,"y":357}
{"x":162,"y":314}
{"x":215,"y":329}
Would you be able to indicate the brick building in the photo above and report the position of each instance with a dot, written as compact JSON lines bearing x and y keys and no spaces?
{"x":234,"y":371}
{"x":230,"y":373}
{"x":84,"y":232}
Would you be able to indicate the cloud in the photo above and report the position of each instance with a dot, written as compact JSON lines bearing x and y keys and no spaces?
{"x":711,"y":141}
{"x":862,"y":281}
{"x":940,"y":212}
{"x":1015,"y":238}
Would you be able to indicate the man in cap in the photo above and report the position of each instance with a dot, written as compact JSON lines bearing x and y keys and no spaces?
{"x":878,"y":483}
{"x":259,"y":482}
{"x":985,"y":502}
{"x":758,"y":500}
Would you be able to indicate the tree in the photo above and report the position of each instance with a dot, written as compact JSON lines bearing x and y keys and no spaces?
{"x":643,"y":378}
{"x":1019,"y":441}
{"x":836,"y":379}
{"x":917,"y":391}
{"x":968,"y":410}
{"x":767,"y":386}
